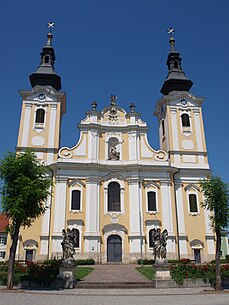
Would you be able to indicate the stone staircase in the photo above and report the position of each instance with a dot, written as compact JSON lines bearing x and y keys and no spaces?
{"x":117,"y":276}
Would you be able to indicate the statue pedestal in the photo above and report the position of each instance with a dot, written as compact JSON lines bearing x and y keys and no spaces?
{"x":162,"y":269}
{"x":66,"y":278}
{"x":162,"y":274}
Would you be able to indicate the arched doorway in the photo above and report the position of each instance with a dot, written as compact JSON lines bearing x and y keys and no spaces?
{"x":114,"y":248}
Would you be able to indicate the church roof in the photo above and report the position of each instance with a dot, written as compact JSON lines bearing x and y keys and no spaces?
{"x":45,"y":75}
{"x":176,"y":79}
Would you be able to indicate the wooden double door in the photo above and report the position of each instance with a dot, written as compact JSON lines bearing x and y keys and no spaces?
{"x":114,"y":249}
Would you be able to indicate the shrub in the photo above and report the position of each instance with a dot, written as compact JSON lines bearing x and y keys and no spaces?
{"x":173,"y":261}
{"x":19,"y":269}
{"x":41,"y":273}
{"x":89,"y":261}
{"x":146,"y":262}
{"x":227,"y":258}
{"x":3,"y":277}
{"x":207,"y":272}
{"x":185,"y":260}
{"x":222,"y":261}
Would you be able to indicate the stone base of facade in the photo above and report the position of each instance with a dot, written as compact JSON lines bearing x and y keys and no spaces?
{"x":128,"y":258}
{"x":169,"y":283}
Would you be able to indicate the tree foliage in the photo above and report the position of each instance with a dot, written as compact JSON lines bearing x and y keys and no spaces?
{"x":216,"y":200}
{"x":26,"y":186}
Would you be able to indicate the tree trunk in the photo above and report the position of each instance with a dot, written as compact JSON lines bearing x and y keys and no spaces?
{"x":13,"y":248}
{"x":218,"y":281}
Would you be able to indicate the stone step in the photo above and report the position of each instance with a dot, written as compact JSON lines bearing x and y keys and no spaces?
{"x":114,"y":285}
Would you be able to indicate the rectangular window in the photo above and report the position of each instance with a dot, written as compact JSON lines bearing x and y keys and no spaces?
{"x":2,"y":254}
{"x":3,"y":240}
{"x":193,"y":203}
{"x":75,"y":204}
{"x":152,"y":205}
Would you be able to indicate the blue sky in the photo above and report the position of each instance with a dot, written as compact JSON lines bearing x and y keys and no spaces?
{"x":120,"y":47}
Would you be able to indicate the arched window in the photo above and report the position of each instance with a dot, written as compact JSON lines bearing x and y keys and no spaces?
{"x":185,"y":120}
{"x":151,"y":238}
{"x":76,"y":243}
{"x":152,"y":205}
{"x":114,"y":197}
{"x":175,"y":64}
{"x":75,"y":204}
{"x":192,"y":203}
{"x":40,"y":116}
{"x":46,"y":59}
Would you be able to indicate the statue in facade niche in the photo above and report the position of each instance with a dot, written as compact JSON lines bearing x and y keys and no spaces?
{"x":69,"y":238}
{"x":159,"y":243}
{"x":113,"y":154}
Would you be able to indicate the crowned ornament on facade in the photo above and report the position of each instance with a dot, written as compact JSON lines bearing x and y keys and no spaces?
{"x":113,"y":113}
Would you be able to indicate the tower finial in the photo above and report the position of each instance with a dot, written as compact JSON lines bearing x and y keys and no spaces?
{"x":170,"y":31}
{"x":45,"y":74}
{"x":176,"y":79}
{"x":50,"y":25}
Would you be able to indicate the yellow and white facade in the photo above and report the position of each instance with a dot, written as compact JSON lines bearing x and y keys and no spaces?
{"x":114,"y":203}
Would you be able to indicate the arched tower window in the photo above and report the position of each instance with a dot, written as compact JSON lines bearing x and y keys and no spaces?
{"x":75,"y":204}
{"x":193,"y":203}
{"x":40,"y":116}
{"x":185,"y":120}
{"x":46,"y":59}
{"x":114,"y":204}
{"x":175,"y":64}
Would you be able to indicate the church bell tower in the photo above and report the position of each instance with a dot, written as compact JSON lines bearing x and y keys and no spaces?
{"x":42,"y":108}
{"x":181,"y":128}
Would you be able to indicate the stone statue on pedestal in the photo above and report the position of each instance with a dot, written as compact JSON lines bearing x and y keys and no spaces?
{"x":66,"y":278}
{"x":69,"y":238}
{"x":113,"y":153}
{"x":159,"y":243}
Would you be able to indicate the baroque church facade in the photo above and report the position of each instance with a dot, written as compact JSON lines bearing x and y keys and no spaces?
{"x":112,"y":187}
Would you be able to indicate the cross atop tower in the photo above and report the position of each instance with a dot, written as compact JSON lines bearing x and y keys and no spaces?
{"x":50,"y":25}
{"x":170,"y":31}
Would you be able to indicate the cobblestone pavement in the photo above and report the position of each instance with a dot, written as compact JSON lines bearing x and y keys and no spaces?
{"x":176,"y":296}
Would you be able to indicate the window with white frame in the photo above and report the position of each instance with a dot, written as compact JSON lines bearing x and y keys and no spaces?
{"x":114,"y":195}
{"x":76,"y":194}
{"x":40,"y":116}
{"x":3,"y":240}
{"x":151,"y":194}
{"x":76,"y":200}
{"x":151,"y":200}
{"x":192,"y":199}
{"x":114,"y":202}
{"x":185,"y":120}
{"x":2,"y":255}
{"x":193,"y":208}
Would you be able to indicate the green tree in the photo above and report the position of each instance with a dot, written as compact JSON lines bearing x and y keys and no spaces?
{"x":216,"y":200}
{"x":26,"y":186}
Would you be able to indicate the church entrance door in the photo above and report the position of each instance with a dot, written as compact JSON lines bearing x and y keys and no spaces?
{"x":114,"y":248}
